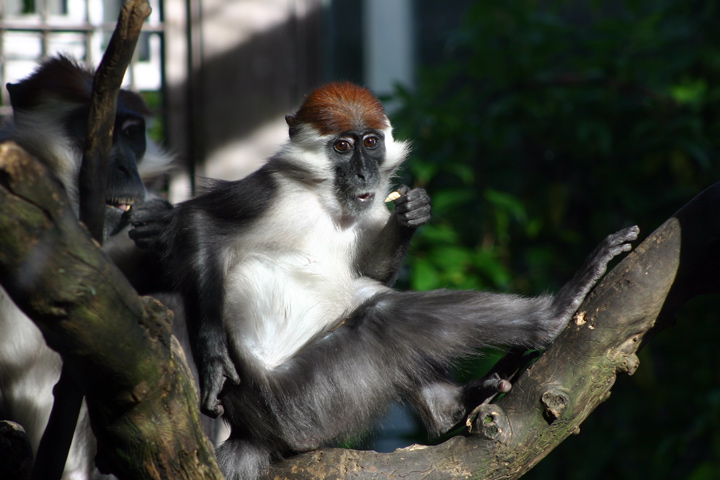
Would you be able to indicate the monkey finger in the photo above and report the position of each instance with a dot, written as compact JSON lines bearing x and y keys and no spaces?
{"x":148,"y":237}
{"x":212,"y":384}
{"x":411,"y":208}
{"x":404,"y":204}
{"x":415,"y":198}
{"x":402,"y":190}
{"x":418,"y":194}
{"x":417,"y":213}
{"x":415,"y":218}
{"x":145,"y":230}
{"x":230,"y":371}
{"x":414,"y":223}
{"x":152,"y":211}
{"x":212,"y":407}
{"x":213,"y":411}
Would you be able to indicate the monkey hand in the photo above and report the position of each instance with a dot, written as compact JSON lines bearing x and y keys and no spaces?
{"x":611,"y":247}
{"x":217,"y":369}
{"x":149,"y":220}
{"x":573,"y":293}
{"x":413,"y":207}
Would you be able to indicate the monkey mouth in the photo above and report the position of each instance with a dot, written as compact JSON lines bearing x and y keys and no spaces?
{"x":367,"y":197}
{"x":124,"y":204}
{"x":117,"y":214}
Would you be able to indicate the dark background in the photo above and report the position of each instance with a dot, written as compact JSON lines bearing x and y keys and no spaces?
{"x":540,"y":127}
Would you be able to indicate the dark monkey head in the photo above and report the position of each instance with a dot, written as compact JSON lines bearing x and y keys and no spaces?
{"x":356,"y":137}
{"x":50,"y":111}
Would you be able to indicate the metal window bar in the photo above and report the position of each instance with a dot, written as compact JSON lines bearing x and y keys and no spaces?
{"x":47,"y":25}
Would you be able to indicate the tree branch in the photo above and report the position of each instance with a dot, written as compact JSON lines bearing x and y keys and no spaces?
{"x":101,"y":116}
{"x":55,"y":444}
{"x":118,"y":346}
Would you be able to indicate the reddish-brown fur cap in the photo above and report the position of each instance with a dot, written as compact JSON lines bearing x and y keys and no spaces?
{"x":339,"y":107}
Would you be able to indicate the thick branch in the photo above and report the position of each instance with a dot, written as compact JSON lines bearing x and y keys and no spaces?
{"x":55,"y":444}
{"x":553,"y":397}
{"x":141,"y":398}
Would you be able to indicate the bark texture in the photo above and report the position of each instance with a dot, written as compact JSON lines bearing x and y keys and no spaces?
{"x":101,"y":115}
{"x":118,"y":346}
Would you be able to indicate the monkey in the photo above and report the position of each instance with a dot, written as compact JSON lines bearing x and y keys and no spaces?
{"x":286,"y":276}
{"x":50,"y":111}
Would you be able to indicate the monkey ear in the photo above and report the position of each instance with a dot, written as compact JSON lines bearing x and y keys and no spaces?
{"x":18,"y":95}
{"x":12,"y":88}
{"x":292,"y":123}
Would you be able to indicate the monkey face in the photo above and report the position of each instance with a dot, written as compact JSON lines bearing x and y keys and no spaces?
{"x":124,"y":187}
{"x":357,"y":157}
{"x":51,"y":109}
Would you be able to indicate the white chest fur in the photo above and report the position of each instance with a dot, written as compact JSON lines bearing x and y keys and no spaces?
{"x":289,"y":280}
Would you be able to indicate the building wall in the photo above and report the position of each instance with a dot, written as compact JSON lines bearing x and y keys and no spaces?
{"x":234,"y":71}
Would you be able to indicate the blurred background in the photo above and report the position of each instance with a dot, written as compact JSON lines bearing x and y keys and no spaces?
{"x":538,"y":127}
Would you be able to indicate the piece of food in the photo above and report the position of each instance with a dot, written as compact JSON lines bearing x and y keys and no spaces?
{"x":392,"y":197}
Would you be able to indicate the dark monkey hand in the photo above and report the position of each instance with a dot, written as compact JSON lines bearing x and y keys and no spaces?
{"x":216,"y":369}
{"x":413,"y":207}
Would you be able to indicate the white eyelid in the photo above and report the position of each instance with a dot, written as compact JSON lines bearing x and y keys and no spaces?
{"x":131,"y":122}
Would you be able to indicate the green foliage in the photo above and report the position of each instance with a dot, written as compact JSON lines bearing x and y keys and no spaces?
{"x":548,"y":126}
{"x":156,"y":128}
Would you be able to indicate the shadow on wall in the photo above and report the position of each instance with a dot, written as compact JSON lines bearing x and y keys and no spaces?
{"x":234,"y":93}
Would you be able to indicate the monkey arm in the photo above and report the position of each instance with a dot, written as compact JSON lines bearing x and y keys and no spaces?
{"x":194,"y":235}
{"x":385,"y":254}
{"x":199,"y":278}
{"x":209,"y":343}
{"x":170,"y":233}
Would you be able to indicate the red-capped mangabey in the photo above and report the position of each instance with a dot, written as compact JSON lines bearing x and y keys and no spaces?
{"x":50,"y":111}
{"x":286,"y":274}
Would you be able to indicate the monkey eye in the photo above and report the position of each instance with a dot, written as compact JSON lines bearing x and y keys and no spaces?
{"x":132,"y":127}
{"x":370,"y":141}
{"x":342,"y":146}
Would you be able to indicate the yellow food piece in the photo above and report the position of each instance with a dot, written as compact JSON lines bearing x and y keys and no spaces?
{"x":393,"y":196}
